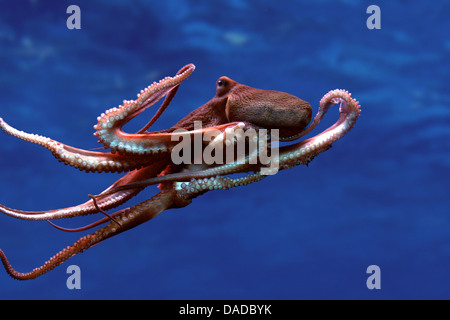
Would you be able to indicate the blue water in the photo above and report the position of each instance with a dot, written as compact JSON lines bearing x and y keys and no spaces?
{"x":380,"y":196}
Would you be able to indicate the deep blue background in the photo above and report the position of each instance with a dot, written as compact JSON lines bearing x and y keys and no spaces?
{"x":379,"y":196}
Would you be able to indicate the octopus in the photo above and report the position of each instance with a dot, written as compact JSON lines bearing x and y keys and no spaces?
{"x":147,"y":159}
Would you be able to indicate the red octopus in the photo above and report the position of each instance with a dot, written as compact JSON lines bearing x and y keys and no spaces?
{"x":148,"y":156}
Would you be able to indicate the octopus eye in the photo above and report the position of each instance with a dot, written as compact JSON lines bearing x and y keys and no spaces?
{"x":221,"y":83}
{"x":224,"y":85}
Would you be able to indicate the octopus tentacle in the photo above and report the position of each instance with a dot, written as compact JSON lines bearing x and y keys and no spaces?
{"x":185,"y":176}
{"x":161,"y":109}
{"x":196,"y":187}
{"x":304,"y":151}
{"x":323,"y":109}
{"x":188,"y":174}
{"x":109,"y":126}
{"x":91,"y":225}
{"x":108,"y":201}
{"x":89,"y":161}
{"x":128,"y":219}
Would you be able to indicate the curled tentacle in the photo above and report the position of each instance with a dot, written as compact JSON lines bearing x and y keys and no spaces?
{"x":304,"y":151}
{"x":323,"y":109}
{"x":109,"y":126}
